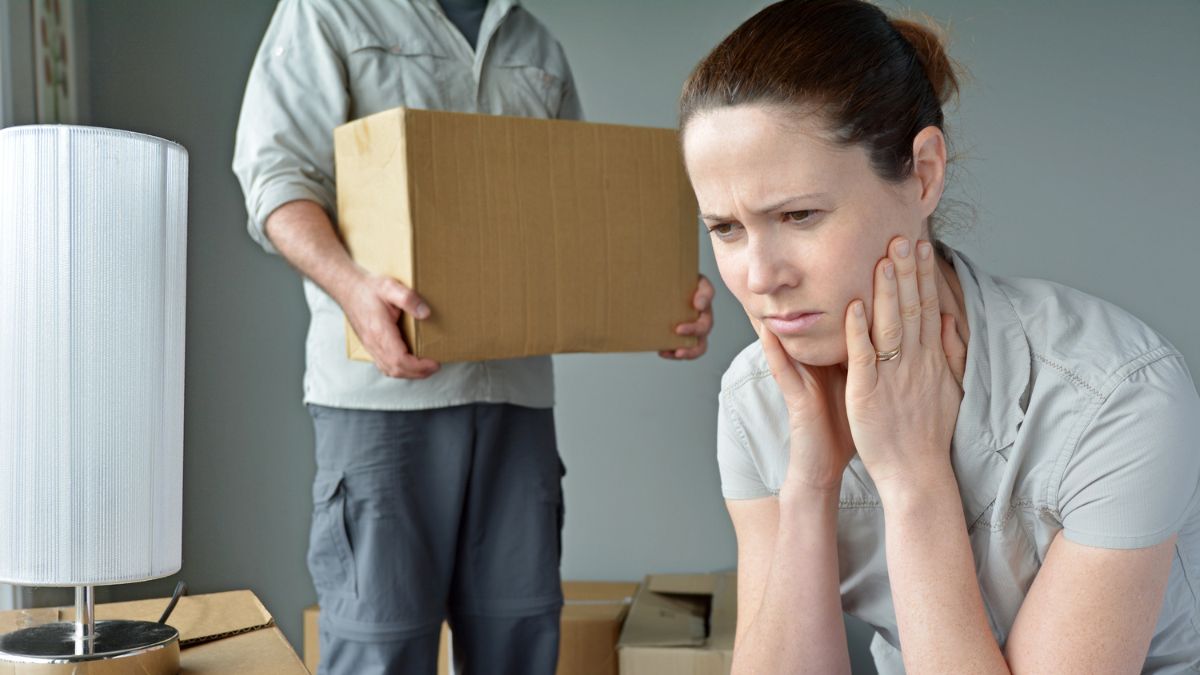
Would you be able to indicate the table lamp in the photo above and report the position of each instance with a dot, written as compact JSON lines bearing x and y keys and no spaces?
{"x":92,"y":272}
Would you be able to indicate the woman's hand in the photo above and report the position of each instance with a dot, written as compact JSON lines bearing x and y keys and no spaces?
{"x":902,"y":410}
{"x":821,"y":445}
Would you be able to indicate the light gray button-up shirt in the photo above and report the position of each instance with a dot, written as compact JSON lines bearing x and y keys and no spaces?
{"x":1075,"y":416}
{"x":326,"y":62}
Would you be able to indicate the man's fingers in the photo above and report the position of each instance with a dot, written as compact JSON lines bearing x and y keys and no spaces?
{"x":702,"y":299}
{"x":407,"y":366}
{"x":701,"y":326}
{"x":393,"y":358}
{"x":688,"y":353}
{"x":404,"y":298}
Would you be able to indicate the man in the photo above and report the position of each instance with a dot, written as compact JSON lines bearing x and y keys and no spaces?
{"x":438,"y":488}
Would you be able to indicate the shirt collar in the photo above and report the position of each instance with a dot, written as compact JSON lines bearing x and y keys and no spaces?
{"x":499,"y":5}
{"x":495,"y":11}
{"x":995,"y":384}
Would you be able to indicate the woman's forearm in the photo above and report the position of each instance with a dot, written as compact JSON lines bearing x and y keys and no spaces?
{"x":798,"y":627}
{"x":939,"y":609}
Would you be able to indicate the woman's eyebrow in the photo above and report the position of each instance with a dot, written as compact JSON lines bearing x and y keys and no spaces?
{"x":784,"y":202}
{"x":775,"y":206}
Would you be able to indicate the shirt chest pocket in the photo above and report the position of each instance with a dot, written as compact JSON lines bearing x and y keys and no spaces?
{"x":384,"y":74}
{"x":522,"y":84}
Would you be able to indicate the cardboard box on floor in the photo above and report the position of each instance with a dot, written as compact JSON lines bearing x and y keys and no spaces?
{"x":681,"y":624}
{"x":593,"y":612}
{"x":591,"y":622}
{"x":219,"y":633}
{"x":525,"y":236}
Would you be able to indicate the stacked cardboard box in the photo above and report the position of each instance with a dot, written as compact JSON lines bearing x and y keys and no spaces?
{"x":681,"y":624}
{"x":592,"y":615}
{"x":229,"y":633}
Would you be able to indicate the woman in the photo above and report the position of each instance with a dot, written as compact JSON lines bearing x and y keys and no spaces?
{"x":998,"y":474}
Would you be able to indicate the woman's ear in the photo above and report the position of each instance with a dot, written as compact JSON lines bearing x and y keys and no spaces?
{"x":929,"y":167}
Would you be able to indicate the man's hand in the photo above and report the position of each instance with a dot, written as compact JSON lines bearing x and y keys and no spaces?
{"x":304,"y":235}
{"x":701,"y":327}
{"x":374,"y":307}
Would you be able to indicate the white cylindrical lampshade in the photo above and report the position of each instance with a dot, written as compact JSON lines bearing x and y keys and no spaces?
{"x":92,"y":271}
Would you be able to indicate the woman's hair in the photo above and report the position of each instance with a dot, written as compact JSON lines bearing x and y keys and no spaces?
{"x":877,"y":81}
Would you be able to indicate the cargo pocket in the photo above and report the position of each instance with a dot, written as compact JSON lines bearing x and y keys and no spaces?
{"x":557,"y":503}
{"x":330,"y":561}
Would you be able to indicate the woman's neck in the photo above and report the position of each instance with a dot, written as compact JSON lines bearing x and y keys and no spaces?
{"x":950,"y":295}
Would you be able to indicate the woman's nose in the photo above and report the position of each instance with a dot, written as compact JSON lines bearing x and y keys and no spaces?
{"x":768,"y":267}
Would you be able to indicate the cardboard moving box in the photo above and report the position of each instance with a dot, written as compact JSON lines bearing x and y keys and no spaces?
{"x":593,"y":612}
{"x":525,"y":236}
{"x":591,"y":622}
{"x":681,"y":624}
{"x":219,"y":633}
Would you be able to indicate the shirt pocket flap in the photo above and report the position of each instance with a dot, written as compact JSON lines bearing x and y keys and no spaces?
{"x":535,"y":58}
{"x":409,"y":46}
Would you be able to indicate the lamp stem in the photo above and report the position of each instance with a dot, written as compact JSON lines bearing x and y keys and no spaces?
{"x":85,"y":619}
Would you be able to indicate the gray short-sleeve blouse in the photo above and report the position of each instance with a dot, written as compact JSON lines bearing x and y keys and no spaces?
{"x":1076,"y":416}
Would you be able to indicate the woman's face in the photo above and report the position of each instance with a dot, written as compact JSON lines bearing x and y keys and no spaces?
{"x":797,"y":223}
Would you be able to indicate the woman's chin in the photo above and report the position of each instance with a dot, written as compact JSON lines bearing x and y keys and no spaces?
{"x":816,"y":353}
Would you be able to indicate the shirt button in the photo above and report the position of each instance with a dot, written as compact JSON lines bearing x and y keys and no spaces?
{"x":278,"y":51}
{"x":396,"y":50}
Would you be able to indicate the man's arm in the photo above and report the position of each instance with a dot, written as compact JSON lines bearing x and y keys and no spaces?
{"x":283,"y":157}
{"x":303,"y":234}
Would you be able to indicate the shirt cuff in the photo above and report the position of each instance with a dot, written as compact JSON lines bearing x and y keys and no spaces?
{"x":274,"y":196}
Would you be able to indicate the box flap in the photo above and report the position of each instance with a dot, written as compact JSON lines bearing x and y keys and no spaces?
{"x":696,"y":584}
{"x":722,"y":621}
{"x":262,"y":652}
{"x":599,"y":592}
{"x":198,"y":618}
{"x":605,"y":601}
{"x":667,"y":619}
{"x":202,"y":621}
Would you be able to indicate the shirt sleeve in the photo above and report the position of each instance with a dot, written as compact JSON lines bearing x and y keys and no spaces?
{"x":1135,"y":472}
{"x":295,"y":96}
{"x":571,"y":108}
{"x":740,"y":478}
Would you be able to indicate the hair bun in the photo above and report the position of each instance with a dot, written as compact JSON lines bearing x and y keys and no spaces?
{"x":931,"y":52}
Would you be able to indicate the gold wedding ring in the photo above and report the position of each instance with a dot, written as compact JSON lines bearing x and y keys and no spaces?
{"x":887,"y":356}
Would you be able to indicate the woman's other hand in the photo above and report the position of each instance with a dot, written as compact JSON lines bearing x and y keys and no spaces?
{"x":902,"y":390}
{"x":821,"y":444}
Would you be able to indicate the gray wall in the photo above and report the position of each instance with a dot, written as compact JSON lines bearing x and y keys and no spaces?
{"x":1080,"y":143}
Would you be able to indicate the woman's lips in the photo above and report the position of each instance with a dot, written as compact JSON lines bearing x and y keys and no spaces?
{"x":792,"y":324}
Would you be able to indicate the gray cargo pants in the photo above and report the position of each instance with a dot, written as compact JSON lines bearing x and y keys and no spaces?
{"x":451,"y":513}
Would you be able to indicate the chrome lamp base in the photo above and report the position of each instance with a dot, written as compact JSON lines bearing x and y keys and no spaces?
{"x":117,"y":647}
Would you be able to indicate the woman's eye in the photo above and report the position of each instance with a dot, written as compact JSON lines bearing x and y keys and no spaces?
{"x":798,"y":216}
{"x":723,"y":230}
